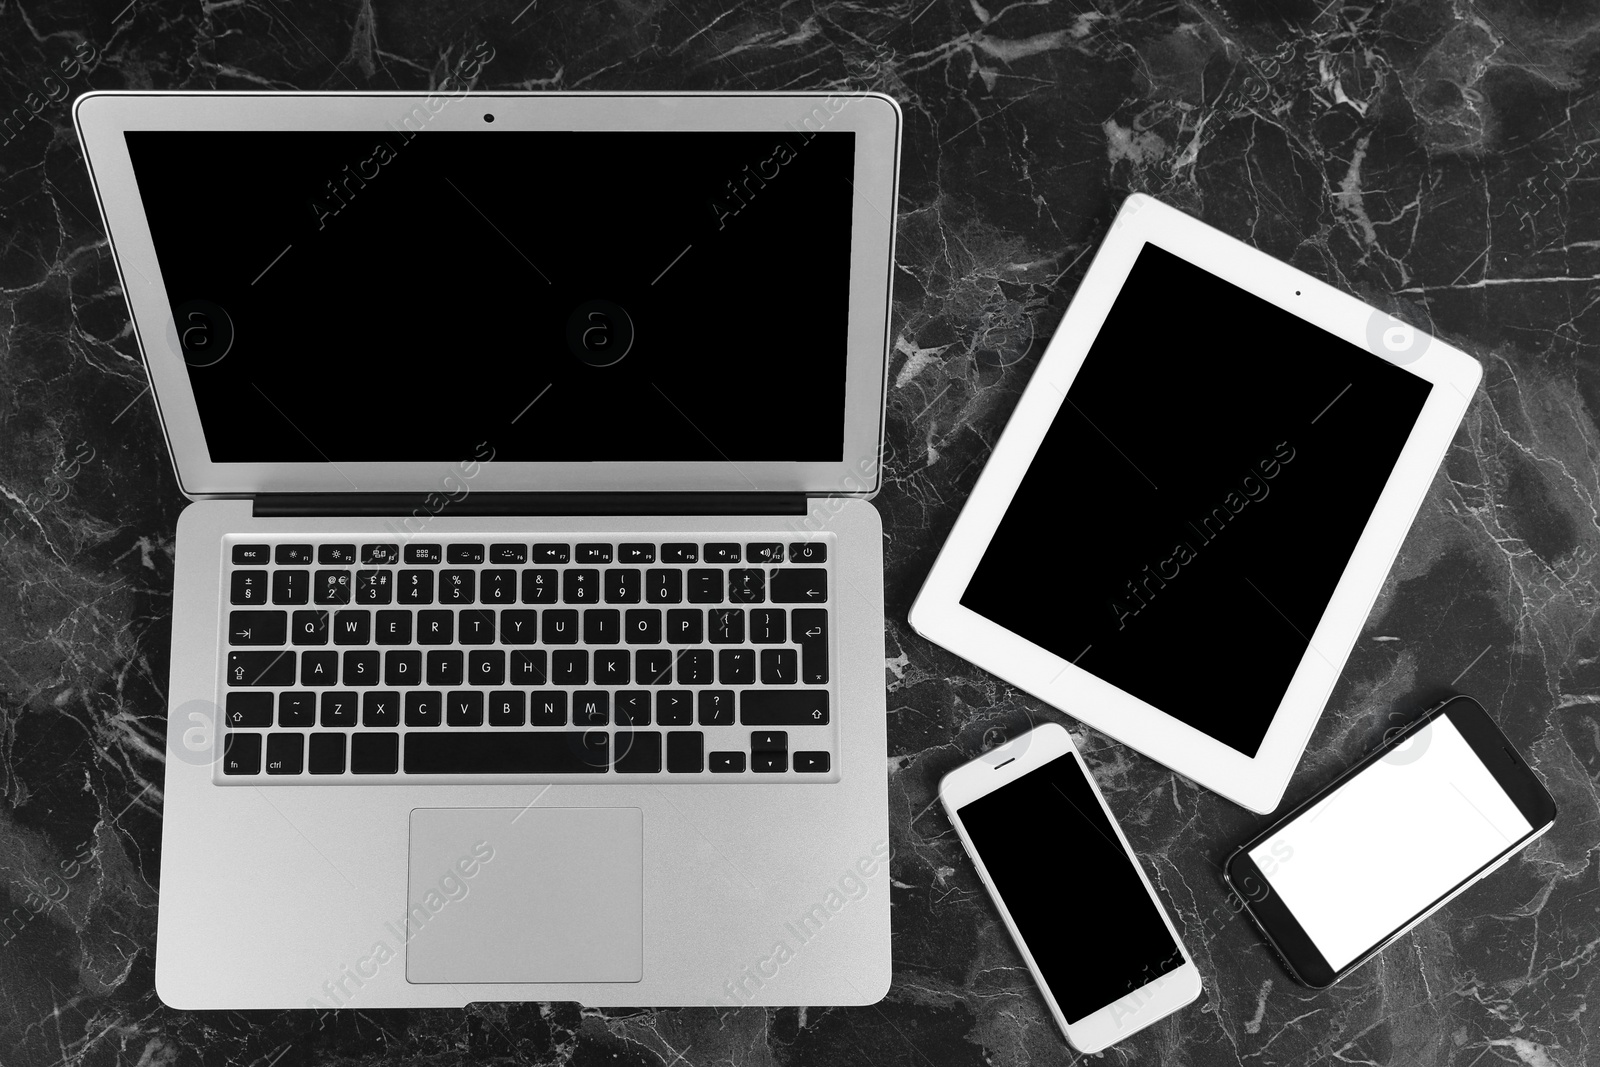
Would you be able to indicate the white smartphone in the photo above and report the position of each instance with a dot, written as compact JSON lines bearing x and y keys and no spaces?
{"x":1084,"y":916}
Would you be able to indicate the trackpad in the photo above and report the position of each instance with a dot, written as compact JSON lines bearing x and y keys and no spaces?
{"x":525,"y":895}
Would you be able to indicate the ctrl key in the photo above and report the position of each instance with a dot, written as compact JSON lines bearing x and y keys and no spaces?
{"x":285,"y":753}
{"x":241,"y":753}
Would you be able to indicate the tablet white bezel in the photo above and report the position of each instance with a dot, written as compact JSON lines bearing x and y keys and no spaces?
{"x":1256,"y":783}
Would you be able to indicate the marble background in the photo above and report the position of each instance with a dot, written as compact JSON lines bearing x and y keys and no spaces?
{"x":1435,"y":157}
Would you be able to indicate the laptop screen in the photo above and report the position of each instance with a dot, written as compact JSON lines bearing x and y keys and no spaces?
{"x":573,"y":296}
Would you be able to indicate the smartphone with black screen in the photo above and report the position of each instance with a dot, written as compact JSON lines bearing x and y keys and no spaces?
{"x":1390,"y":842}
{"x":1069,"y":889}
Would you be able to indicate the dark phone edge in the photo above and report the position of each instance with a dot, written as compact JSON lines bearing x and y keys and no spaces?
{"x":1490,"y":744}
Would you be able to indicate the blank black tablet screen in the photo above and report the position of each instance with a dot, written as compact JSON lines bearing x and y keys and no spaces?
{"x":1196,"y":499}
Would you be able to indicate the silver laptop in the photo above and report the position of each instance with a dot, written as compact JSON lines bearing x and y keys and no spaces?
{"x":528,"y":616}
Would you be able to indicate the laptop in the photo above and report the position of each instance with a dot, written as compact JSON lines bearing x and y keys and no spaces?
{"x":528,"y":613}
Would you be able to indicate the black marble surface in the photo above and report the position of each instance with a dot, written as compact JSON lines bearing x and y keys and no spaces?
{"x":1435,"y":157}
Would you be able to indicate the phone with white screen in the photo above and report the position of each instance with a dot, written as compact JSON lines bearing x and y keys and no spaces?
{"x":1390,"y":842}
{"x":1067,"y":885}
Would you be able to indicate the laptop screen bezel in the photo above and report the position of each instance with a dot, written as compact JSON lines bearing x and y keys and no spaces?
{"x":103,"y":118}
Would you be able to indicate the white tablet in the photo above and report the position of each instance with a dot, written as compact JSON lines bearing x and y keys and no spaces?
{"x":1182,"y":529}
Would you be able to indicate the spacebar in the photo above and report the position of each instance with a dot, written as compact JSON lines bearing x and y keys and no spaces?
{"x":507,"y":753}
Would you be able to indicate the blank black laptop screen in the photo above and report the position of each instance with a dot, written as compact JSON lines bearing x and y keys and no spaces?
{"x":570,"y":296}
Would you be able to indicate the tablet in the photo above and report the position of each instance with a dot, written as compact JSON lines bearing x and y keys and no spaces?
{"x":1180,"y":533}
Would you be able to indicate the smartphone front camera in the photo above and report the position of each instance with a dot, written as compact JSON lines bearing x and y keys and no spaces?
{"x":488,"y":118}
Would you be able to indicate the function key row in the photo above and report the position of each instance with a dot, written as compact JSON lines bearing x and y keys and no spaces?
{"x":550,"y":553}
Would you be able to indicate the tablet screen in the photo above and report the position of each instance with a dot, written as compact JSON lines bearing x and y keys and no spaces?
{"x":1186,"y":518}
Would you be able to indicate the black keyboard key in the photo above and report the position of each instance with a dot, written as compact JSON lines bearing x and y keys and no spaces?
{"x":374,"y":587}
{"x":694,"y":666}
{"x":499,"y":587}
{"x":779,"y":666}
{"x":446,"y":667}
{"x":594,"y":553}
{"x":611,"y":667}
{"x":519,"y":627}
{"x":736,"y":666}
{"x":297,"y":709}
{"x":286,"y":753}
{"x":372,"y":555}
{"x":747,"y":585}
{"x":476,"y":627}
{"x":580,"y":586}
{"x":374,"y":753}
{"x":360,"y":668}
{"x":769,"y":762}
{"x":799,"y":585}
{"x":248,"y":711}
{"x":251,"y":554}
{"x":716,"y":707}
{"x":508,"y":553}
{"x":549,"y":553}
{"x":638,"y":752}
{"x":332,"y":587}
{"x":507,"y":708}
{"x":249,"y":587}
{"x":811,"y":762}
{"x":241,"y":753}
{"x":528,"y":668}
{"x":674,"y":707}
{"x":402,"y":668}
{"x":547,"y":709}
{"x":642,"y":626}
{"x":685,"y":752}
{"x":291,"y":587}
{"x":705,"y":587}
{"x":663,"y":587}
{"x":680,"y":553}
{"x":258,"y":627}
{"x":319,"y":668}
{"x":424,"y":554}
{"x":424,"y":708}
{"x":561,"y":627}
{"x":633,"y":708}
{"x":336,"y":555}
{"x":783,"y":707}
{"x":764,"y":552}
{"x":636,"y":553}
{"x":416,"y":587}
{"x":464,"y":708}
{"x":565,"y":752}
{"x":591,"y":707}
{"x":394,"y":628}
{"x":685,"y":626}
{"x":381,"y":709}
{"x":539,"y":585}
{"x":769,"y":741}
{"x":653,"y":666}
{"x":436,"y":627}
{"x":352,"y":627}
{"x":338,"y":709}
{"x":768,"y":626}
{"x":726,"y":626}
{"x":811,"y":634}
{"x":602,"y":626}
{"x":457,"y":587}
{"x":326,"y":754}
{"x":463,"y":554}
{"x":293,"y":555}
{"x":808,"y":552}
{"x":727,"y":762}
{"x":722,"y":552}
{"x":487,"y":667}
{"x":261,"y":668}
{"x":623,"y":585}
{"x":569,"y":667}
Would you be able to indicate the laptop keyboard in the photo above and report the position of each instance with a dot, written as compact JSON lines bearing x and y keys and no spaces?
{"x":675,"y":660}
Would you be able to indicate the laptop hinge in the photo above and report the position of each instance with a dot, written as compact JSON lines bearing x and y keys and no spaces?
{"x":425,"y":505}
